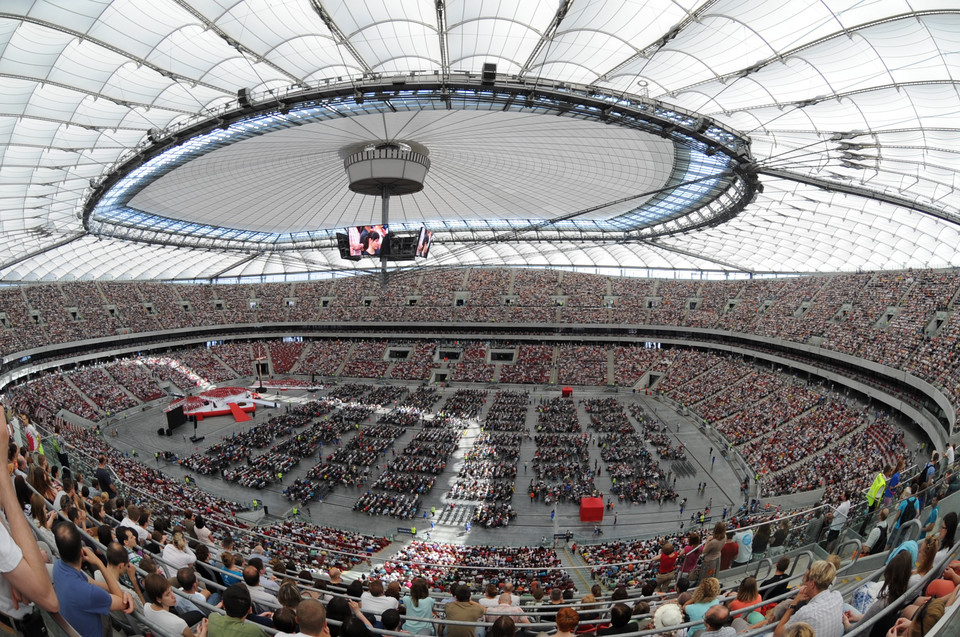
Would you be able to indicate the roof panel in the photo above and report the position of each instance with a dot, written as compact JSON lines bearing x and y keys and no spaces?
{"x":857,"y":94}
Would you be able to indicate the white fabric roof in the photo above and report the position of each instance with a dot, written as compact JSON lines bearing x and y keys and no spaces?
{"x":852,"y":108}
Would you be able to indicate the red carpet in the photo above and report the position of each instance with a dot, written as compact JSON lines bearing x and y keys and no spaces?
{"x":238,"y":414}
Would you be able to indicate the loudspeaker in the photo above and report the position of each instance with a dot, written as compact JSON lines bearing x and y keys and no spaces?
{"x":243,"y":98}
{"x":489,"y":74}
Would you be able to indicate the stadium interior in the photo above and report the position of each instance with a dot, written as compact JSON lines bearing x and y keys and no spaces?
{"x":554,"y":317}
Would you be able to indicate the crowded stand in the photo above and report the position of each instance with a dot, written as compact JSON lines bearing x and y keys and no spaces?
{"x":133,"y":375}
{"x":561,"y":462}
{"x":533,"y":365}
{"x":323,"y":357}
{"x":366,"y":360}
{"x":847,"y":313}
{"x":271,"y":303}
{"x":582,"y":365}
{"x":637,"y":476}
{"x":385,"y":395}
{"x":46,"y":396}
{"x":284,"y":355}
{"x":465,"y":403}
{"x":423,"y":398}
{"x":293,"y":543}
{"x":445,"y":564}
{"x":207,"y":365}
{"x":778,"y":402}
{"x":167,"y":369}
{"x":97,"y":385}
{"x":796,"y":435}
{"x":781,"y":406}
{"x":419,"y":364}
{"x":263,"y":470}
{"x":237,"y":356}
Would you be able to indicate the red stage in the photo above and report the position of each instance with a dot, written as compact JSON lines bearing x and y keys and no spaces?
{"x":591,"y":509}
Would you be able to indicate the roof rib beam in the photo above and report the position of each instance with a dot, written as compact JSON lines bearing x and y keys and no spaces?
{"x":660,"y":43}
{"x":243,"y":50}
{"x":547,"y":36}
{"x":29,"y":255}
{"x":837,"y":186}
{"x":783,"y":55}
{"x":122,"y":53}
{"x":237,"y":263}
{"x":339,"y":36}
{"x":442,"y":36}
{"x":700,"y":257}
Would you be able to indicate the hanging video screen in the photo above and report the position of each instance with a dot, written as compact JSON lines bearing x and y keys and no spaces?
{"x":369,"y":241}
{"x":423,"y":243}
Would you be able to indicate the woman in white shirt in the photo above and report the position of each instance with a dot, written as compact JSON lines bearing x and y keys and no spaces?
{"x":177,"y":554}
{"x":161,"y":599}
{"x":204,"y":534}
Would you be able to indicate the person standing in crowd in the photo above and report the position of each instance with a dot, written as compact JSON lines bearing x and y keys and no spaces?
{"x":728,"y":552}
{"x":840,"y":513}
{"x":891,"y":489}
{"x":744,"y":540}
{"x":712,"y":550}
{"x":104,"y":478}
{"x":875,"y":492}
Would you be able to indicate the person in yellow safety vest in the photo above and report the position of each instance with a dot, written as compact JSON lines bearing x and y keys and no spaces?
{"x":875,"y":492}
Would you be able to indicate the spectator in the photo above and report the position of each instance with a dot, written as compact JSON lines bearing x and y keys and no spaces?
{"x":505,"y":606}
{"x":620,"y":616}
{"x":237,"y":604}
{"x":418,"y":606}
{"x":118,"y":563}
{"x":923,"y":620}
{"x":284,"y":620}
{"x":391,"y":620}
{"x":747,"y":594}
{"x":703,"y":598}
{"x":668,"y":615}
{"x":192,"y":595}
{"x":177,"y":554}
{"x":667,"y":564}
{"x":503,"y":627}
{"x":82,"y":602}
{"x":104,"y":478}
{"x":463,"y":609}
{"x":776,"y":585}
{"x":896,"y":578}
{"x":744,"y":540}
{"x":567,"y":621}
{"x":729,"y":551}
{"x":816,"y":604}
{"x":712,"y":551}
{"x":260,"y":597}
{"x":877,"y":540}
{"x":161,"y":600}
{"x":717,"y":622}
{"x":312,"y":618}
{"x":373,"y":600}
{"x":840,"y":514}
{"x":21,"y":564}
